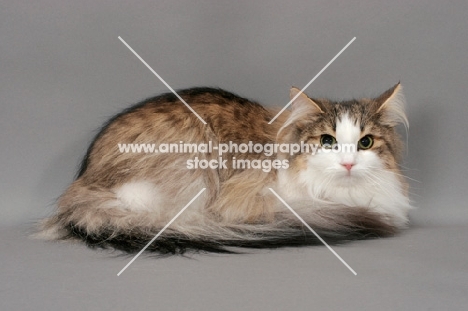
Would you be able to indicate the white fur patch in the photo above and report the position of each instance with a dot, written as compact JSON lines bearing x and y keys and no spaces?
{"x":347,"y":130}
{"x":139,"y":196}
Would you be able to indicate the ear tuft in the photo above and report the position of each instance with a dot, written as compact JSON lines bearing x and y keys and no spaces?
{"x":392,"y":106}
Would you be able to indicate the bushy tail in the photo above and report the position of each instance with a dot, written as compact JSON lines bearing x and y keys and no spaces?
{"x":334,"y":225}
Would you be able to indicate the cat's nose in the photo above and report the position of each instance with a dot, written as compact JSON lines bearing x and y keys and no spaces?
{"x":348,"y":166}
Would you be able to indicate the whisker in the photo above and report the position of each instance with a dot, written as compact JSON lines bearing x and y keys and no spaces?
{"x":393,"y":172}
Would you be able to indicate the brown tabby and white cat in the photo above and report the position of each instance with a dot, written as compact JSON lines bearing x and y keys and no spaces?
{"x":122,"y":200}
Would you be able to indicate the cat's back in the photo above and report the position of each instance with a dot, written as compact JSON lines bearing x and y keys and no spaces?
{"x":166,"y":119}
{"x":230,"y":116}
{"x":209,"y":102}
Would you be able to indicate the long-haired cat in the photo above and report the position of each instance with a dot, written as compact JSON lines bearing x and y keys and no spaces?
{"x":123,"y":199}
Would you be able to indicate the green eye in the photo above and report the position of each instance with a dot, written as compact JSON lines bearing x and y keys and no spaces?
{"x":366,"y":142}
{"x":327,"y":140}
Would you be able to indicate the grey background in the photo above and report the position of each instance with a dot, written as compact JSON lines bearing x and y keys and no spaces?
{"x":63,"y":72}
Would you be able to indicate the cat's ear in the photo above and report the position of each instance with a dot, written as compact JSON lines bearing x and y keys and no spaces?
{"x":391,"y":105}
{"x":301,"y":103}
{"x":302,"y":109}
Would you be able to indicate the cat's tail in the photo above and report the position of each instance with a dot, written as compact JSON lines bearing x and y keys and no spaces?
{"x":332,"y":224}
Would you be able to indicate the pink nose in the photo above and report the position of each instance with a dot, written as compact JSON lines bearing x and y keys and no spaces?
{"x":348,"y":166}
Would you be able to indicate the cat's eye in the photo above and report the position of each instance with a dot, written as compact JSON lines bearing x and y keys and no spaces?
{"x":327,"y":140}
{"x":366,"y":142}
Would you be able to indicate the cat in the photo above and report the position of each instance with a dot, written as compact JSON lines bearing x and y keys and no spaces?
{"x":121,"y":200}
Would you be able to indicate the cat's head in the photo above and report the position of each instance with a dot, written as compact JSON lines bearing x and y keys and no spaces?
{"x":366,"y":147}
